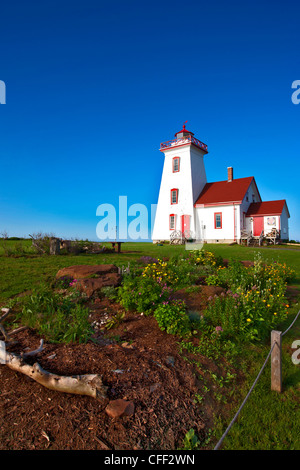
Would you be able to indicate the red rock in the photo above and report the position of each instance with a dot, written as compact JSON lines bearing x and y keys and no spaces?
{"x":91,"y":285}
{"x":118,"y":408}
{"x":246,"y":263}
{"x":86,"y":271}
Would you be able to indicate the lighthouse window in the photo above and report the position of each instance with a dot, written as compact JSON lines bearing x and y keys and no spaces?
{"x":172,"y":221}
{"x":174,"y":196}
{"x":175,"y":164}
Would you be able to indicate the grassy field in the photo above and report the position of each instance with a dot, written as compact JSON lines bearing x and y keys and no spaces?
{"x":269,"y":420}
{"x":23,"y":272}
{"x":20,"y":273}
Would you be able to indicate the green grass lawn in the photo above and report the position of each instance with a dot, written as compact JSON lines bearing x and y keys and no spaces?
{"x":269,"y":420}
{"x":22,"y":273}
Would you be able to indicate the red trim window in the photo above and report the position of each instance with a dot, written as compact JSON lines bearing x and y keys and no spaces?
{"x":172,"y":221}
{"x":174,"y":196}
{"x":176,"y":164}
{"x":218,"y":219}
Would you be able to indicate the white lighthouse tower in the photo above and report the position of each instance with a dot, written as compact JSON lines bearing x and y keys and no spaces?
{"x":183,"y":179}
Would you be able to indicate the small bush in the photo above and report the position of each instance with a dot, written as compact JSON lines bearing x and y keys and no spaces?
{"x":142,"y":294}
{"x":172,"y":318}
{"x":255,"y":303}
{"x":110,"y":292}
{"x":64,"y":282}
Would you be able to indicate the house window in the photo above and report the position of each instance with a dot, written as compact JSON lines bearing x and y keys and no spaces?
{"x":174,"y":196}
{"x":176,"y":164}
{"x":172,"y":221}
{"x":218,"y":219}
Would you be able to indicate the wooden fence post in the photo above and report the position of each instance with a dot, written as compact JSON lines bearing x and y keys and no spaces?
{"x":54,"y":246}
{"x":276,"y":362}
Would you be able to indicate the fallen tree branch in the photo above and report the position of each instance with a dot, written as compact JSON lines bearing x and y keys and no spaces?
{"x":6,"y":335}
{"x":17,"y":330}
{"x":89,"y":384}
{"x":35,"y":351}
{"x":6,"y":312}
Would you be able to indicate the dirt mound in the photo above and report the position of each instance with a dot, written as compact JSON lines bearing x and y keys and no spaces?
{"x":138,"y":363}
{"x":90,"y":279}
{"x":197,"y":301}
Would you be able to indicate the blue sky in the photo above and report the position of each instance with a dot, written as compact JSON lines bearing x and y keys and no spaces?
{"x":94,"y":87}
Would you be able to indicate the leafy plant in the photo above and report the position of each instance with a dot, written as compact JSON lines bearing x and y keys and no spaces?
{"x":115,"y":321}
{"x":172,"y":318}
{"x":110,"y":292}
{"x":143,"y":293}
{"x":190,"y":441}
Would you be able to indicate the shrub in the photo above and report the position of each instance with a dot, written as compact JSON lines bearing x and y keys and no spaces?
{"x":206,"y":258}
{"x":115,"y":321}
{"x":142,"y":293}
{"x":255,"y":304}
{"x":224,"y":312}
{"x":110,"y":292}
{"x":172,"y":318}
{"x":63,"y":282}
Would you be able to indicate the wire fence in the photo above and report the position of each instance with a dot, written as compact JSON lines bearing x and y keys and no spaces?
{"x":251,"y":389}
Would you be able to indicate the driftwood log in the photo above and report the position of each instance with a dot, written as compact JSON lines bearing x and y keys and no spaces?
{"x":87,"y":384}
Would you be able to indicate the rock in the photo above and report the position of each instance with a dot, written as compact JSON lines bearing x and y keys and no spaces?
{"x":127,"y":345}
{"x":86,"y":271}
{"x":118,"y":408}
{"x":91,"y":285}
{"x":154,"y":387}
{"x":210,"y":291}
{"x":246,"y":263}
{"x":170,"y":360}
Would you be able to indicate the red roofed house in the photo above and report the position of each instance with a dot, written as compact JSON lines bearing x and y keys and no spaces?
{"x":220,"y":212}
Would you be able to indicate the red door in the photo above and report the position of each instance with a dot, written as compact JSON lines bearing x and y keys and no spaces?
{"x":185,"y":223}
{"x":258,"y":226}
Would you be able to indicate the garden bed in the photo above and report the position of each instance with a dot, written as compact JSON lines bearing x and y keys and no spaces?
{"x":174,"y":382}
{"x":138,"y":362}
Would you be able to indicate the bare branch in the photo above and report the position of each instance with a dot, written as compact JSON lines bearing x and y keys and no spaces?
{"x":6,"y":312}
{"x":17,"y":330}
{"x":35,"y":351}
{"x":3,"y":331}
